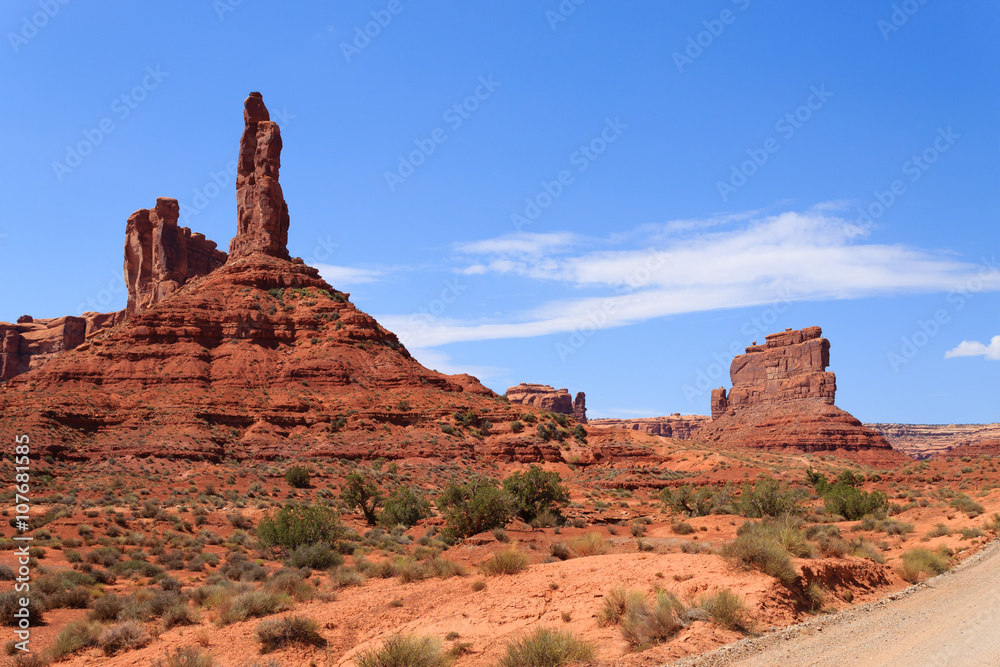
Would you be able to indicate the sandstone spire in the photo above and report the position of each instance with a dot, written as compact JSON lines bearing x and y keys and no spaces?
{"x":262,"y":215}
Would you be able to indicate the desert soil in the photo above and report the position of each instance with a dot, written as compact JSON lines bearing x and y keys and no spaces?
{"x":948,"y":620}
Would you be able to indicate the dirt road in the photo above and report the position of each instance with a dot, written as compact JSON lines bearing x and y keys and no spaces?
{"x":952,"y":620}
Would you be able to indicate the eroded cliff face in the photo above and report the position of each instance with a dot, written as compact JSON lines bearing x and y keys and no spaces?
{"x":682,"y":427}
{"x":160,"y":256}
{"x":544,"y":397}
{"x":922,"y":441}
{"x":783,"y":398}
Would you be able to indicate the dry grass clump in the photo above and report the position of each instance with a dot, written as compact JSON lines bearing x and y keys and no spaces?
{"x":919,"y":563}
{"x":74,"y":637}
{"x":645,"y":625}
{"x":617,"y":603}
{"x":508,"y":561}
{"x":727,"y":609}
{"x":120,"y":637}
{"x":589,"y":544}
{"x":252,"y":604}
{"x":186,"y":657}
{"x":546,"y":647}
{"x":405,"y":651}
{"x":757,"y":547}
{"x":275,"y":633}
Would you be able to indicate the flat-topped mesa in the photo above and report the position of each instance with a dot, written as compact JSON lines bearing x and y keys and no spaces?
{"x":160,"y":257}
{"x":790,"y":365}
{"x":262,"y":215}
{"x":544,"y":397}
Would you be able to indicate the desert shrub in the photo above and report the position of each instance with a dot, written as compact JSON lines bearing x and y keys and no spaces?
{"x":474,"y":507}
{"x":727,"y":609}
{"x":10,"y":602}
{"x":844,"y":498}
{"x":616,"y":604}
{"x":252,"y":604}
{"x":939,"y":530}
{"x":405,"y":651}
{"x":508,"y":561}
{"x":862,"y":548}
{"x":176,"y":614}
{"x":682,"y":528}
{"x":120,"y":637}
{"x":993,"y":523}
{"x":343,"y":577}
{"x":892,"y":526}
{"x":786,"y":531}
{"x":239,"y":521}
{"x":535,"y":490}
{"x":107,"y":607}
{"x":315,"y":556}
{"x":404,"y":507}
{"x":698,"y":501}
{"x":75,"y":636}
{"x":288,"y":630}
{"x":964,"y":503}
{"x":546,"y":647}
{"x":296,"y":525}
{"x":768,"y":497}
{"x":645,"y":625}
{"x":969,"y":533}
{"x":297,"y":477}
{"x":188,"y":656}
{"x":760,"y":550}
{"x":560,"y":550}
{"x":919,"y":563}
{"x":516,"y":427}
{"x":239,"y":568}
{"x":103,"y":556}
{"x":361,"y":491}
{"x":292,"y":584}
{"x":589,"y":544}
{"x":815,"y":596}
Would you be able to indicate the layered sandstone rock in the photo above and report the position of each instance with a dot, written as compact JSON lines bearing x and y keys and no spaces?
{"x":262,"y":215}
{"x":922,"y":441}
{"x":160,"y":256}
{"x":783,"y":398}
{"x":676,"y":425}
{"x":544,"y":397}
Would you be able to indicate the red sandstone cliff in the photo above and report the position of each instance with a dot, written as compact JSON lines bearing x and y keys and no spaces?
{"x":922,"y":441}
{"x":544,"y":397}
{"x":682,"y":427}
{"x":783,"y":398}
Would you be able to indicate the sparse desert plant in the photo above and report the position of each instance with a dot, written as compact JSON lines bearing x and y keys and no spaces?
{"x":188,"y":656}
{"x":297,"y":477}
{"x":727,"y":609}
{"x":589,"y":544}
{"x":546,"y":647}
{"x":862,"y":548}
{"x":252,"y":604}
{"x":315,"y":556}
{"x":964,"y":503}
{"x":107,"y":607}
{"x":405,"y":651}
{"x":768,"y":497}
{"x":120,"y":637}
{"x":616,"y":604}
{"x":75,"y":636}
{"x":275,"y":633}
{"x":682,"y":528}
{"x":560,"y":550}
{"x":760,"y":550}
{"x":508,"y":561}
{"x":343,"y":577}
{"x":645,"y":625}
{"x":474,"y":507}
{"x":815,"y":596}
{"x":361,"y":491}
{"x":919,"y":563}
{"x":10,"y":602}
{"x":939,"y":530}
{"x":404,"y":507}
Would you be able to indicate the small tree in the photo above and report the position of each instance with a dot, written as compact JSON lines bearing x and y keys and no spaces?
{"x":296,"y":525}
{"x":298,"y":477}
{"x":474,"y":507}
{"x":361,"y":491}
{"x":404,"y":506}
{"x":534,"y":491}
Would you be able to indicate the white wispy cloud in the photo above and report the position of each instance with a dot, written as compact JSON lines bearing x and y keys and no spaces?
{"x":734,"y":261}
{"x":971,"y":348}
{"x":442,"y":363}
{"x":345,"y":276}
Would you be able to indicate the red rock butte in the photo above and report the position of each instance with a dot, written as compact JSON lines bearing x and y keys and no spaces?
{"x":783,"y":398}
{"x":544,"y":397}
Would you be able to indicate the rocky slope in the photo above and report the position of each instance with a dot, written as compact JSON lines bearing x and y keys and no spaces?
{"x":676,"y":425}
{"x":922,"y":441}
{"x":783,"y":398}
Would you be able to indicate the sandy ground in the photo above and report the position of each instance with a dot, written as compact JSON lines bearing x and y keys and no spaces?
{"x":948,"y":620}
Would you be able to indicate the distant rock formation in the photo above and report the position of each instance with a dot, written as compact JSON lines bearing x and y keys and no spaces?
{"x":676,"y":425}
{"x":30,"y":343}
{"x":160,"y":257}
{"x":262,"y":214}
{"x":782,"y":398}
{"x":922,"y":441}
{"x":544,"y":397}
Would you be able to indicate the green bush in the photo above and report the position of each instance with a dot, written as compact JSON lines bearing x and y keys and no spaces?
{"x":474,"y":507}
{"x":405,"y":651}
{"x":361,"y":491}
{"x":759,"y":549}
{"x":768,"y":497}
{"x":404,"y":507}
{"x":698,"y":501}
{"x":516,"y":427}
{"x":845,"y":499}
{"x":296,"y":525}
{"x":298,"y":477}
{"x":964,"y":503}
{"x":277,"y":633}
{"x":315,"y":556}
{"x":10,"y":602}
{"x":919,"y":563}
{"x":536,"y":490}
{"x":545,"y":647}
{"x":107,"y":607}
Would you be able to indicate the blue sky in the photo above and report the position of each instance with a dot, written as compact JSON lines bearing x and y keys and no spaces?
{"x":609,"y":197}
